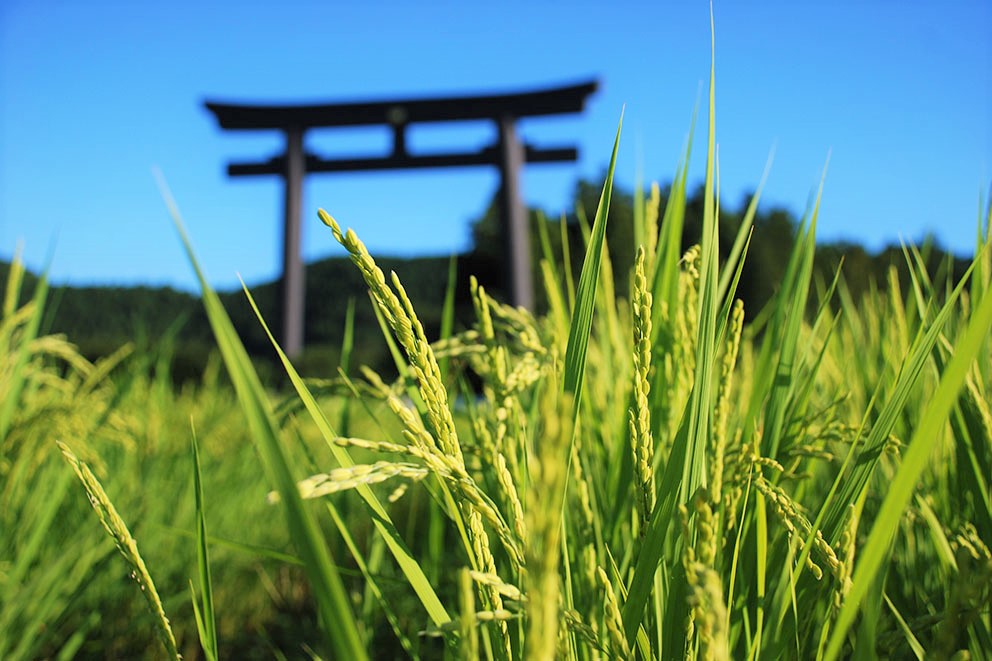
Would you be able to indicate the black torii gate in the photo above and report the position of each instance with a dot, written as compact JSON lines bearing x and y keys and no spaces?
{"x":508,"y":153}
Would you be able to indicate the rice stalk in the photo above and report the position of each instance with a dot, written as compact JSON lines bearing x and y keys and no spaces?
{"x":547,"y":462}
{"x":128,"y":547}
{"x":640,"y":413}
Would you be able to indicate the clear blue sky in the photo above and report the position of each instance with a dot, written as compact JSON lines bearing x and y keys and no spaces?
{"x":94,"y":94}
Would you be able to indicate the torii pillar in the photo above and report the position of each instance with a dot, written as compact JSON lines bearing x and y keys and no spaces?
{"x":509,"y":154}
{"x":516,"y":230}
{"x":293,"y":274}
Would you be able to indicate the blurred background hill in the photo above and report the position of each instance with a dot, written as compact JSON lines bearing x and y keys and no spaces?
{"x":102,"y":319}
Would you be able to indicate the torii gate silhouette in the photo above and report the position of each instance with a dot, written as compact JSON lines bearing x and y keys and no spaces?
{"x":508,"y":153}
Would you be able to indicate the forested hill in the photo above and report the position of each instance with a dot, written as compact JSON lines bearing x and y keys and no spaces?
{"x":101,"y":319}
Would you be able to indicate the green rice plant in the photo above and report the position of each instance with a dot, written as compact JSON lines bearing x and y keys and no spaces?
{"x":768,"y":487}
{"x":45,"y":386}
{"x":127,"y":546}
{"x":649,"y":478}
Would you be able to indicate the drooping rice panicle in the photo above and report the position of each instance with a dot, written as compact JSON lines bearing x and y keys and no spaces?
{"x":789,"y":513}
{"x":970,"y":593}
{"x":117,"y":529}
{"x":343,"y":479}
{"x":491,"y":596}
{"x":493,"y":581}
{"x":509,"y":490}
{"x":614,"y":620}
{"x":718,"y":445}
{"x":399,"y":314}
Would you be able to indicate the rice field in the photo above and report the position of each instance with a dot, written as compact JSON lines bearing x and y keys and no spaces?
{"x":638,"y":479}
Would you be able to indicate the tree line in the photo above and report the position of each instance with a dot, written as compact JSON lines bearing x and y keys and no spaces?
{"x":163,"y":320}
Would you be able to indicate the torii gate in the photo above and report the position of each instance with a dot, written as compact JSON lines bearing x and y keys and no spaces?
{"x":508,"y":153}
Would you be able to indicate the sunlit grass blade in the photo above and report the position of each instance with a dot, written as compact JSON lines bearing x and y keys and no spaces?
{"x":669,"y":248}
{"x":578,"y":334}
{"x":248,"y":550}
{"x":793,"y":311}
{"x":205,"y":620}
{"x":347,"y":345}
{"x":334,"y":607}
{"x":735,"y":259}
{"x":701,"y":397}
{"x":914,"y":461}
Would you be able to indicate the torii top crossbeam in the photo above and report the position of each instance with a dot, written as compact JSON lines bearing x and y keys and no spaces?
{"x":509,"y":154}
{"x":556,"y":101}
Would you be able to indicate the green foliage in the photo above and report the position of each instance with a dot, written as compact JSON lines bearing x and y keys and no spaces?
{"x":649,"y":479}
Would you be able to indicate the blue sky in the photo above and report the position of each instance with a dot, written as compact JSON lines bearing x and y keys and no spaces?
{"x":94,"y":94}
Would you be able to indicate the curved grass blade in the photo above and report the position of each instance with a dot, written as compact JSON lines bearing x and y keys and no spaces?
{"x":578,"y":332}
{"x":205,"y":621}
{"x":340,"y":627}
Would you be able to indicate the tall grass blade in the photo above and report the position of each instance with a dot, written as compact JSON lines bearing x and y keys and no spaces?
{"x":701,"y":397}
{"x":735,"y":260}
{"x":337,"y":618}
{"x":205,"y":620}
{"x":793,"y":309}
{"x":578,"y":333}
